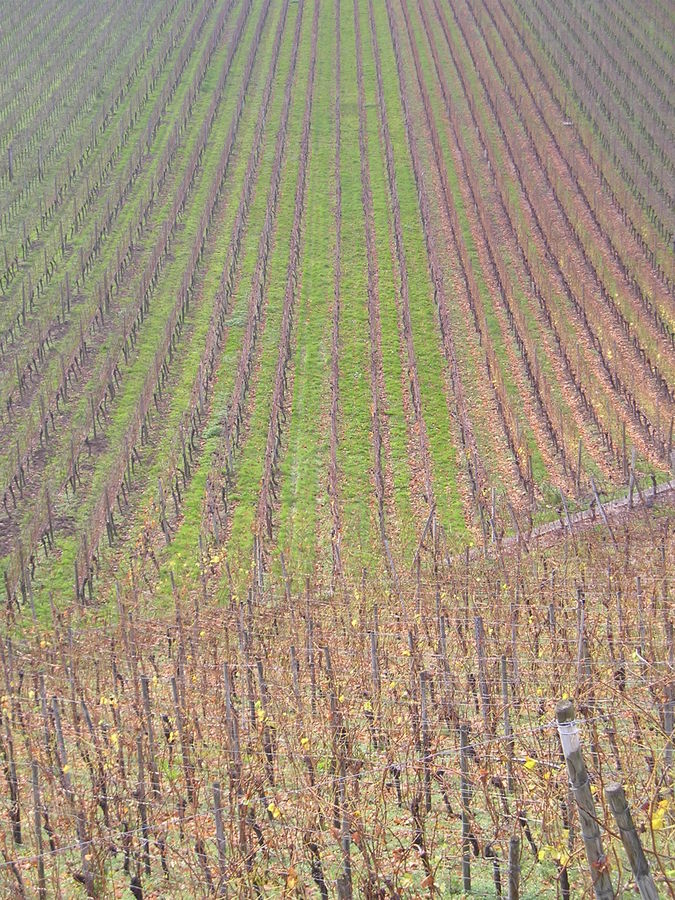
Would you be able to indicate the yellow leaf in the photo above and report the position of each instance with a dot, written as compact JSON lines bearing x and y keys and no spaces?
{"x":291,"y":878}
{"x":529,"y":763}
{"x":659,"y":814}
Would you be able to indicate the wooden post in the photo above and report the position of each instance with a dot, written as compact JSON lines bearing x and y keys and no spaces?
{"x":184,"y":744}
{"x":508,"y":733}
{"x":568,"y":520}
{"x":602,"y":511}
{"x":669,"y":703}
{"x":232,"y":723}
{"x":514,"y":868}
{"x":374,"y":646}
{"x":220,"y":838}
{"x":295,"y":673}
{"x":37,"y":816}
{"x":142,"y":807}
{"x":10,"y":771}
{"x":310,"y":655}
{"x":426,"y":756}
{"x":482,"y":673}
{"x":616,"y":799}
{"x":581,"y":791}
{"x":344,"y":881}
{"x":154,"y":772}
{"x":465,"y":793}
{"x":49,"y":517}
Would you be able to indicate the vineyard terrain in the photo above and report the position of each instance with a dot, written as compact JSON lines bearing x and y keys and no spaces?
{"x":337,"y":404}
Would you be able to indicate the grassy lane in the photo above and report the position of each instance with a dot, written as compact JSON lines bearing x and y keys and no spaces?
{"x":249,"y":464}
{"x":303,"y":500}
{"x":359,"y":540}
{"x":402,"y":458}
{"x":361,"y":546}
{"x":185,"y":541}
{"x":431,"y":367}
{"x":179,"y":387}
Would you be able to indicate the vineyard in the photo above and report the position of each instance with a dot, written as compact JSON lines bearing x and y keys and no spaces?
{"x":337,"y":398}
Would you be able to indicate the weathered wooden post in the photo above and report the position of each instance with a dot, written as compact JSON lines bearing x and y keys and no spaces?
{"x":37,"y":816}
{"x":616,"y":798}
{"x":514,"y":868}
{"x":465,"y":793}
{"x":493,"y":515}
{"x":147,"y":708}
{"x":668,"y":706}
{"x":631,"y":479}
{"x":581,"y":791}
{"x":220,"y":839}
{"x":482,"y":674}
{"x":344,"y":881}
{"x":508,"y":732}
{"x":426,"y":754}
{"x":142,"y":807}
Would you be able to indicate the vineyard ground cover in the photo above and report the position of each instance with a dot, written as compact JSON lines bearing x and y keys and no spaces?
{"x":47,"y":234}
{"x":303,"y":530}
{"x":127,"y":399}
{"x":250,"y":463}
{"x":563,"y":416}
{"x":180,"y":383}
{"x":427,"y":438}
{"x":279,"y":777}
{"x":360,"y":461}
{"x":185,"y":541}
{"x":80,"y":241}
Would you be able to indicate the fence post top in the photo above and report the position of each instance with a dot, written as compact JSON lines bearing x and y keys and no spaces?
{"x":564,"y":712}
{"x":615,"y":795}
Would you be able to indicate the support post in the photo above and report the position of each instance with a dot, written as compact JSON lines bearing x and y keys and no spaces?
{"x":514,"y":868}
{"x":581,"y":791}
{"x":616,"y":798}
{"x":465,"y":792}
